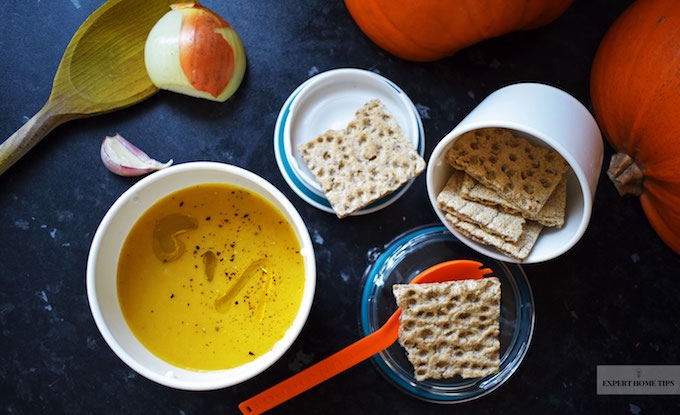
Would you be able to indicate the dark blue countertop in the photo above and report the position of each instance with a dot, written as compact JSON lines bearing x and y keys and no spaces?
{"x":611,"y":300}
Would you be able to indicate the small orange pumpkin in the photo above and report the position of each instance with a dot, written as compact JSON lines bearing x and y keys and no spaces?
{"x":428,"y":30}
{"x":635,"y":91}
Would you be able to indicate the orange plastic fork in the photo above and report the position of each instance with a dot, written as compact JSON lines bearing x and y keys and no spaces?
{"x":360,"y":350}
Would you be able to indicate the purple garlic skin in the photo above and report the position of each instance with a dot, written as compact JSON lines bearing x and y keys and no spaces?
{"x":124,"y":159}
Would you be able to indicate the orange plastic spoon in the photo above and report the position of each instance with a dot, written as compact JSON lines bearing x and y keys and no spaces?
{"x":360,"y":350}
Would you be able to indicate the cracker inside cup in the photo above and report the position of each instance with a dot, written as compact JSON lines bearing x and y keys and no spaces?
{"x":503,"y":190}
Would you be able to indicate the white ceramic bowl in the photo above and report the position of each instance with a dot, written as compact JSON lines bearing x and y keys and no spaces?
{"x":549,"y":117}
{"x":329,"y":100}
{"x":103,"y":262}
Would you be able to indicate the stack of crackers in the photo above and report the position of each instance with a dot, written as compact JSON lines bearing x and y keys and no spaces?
{"x":451,"y":328}
{"x":366,"y":161}
{"x":504,"y":190}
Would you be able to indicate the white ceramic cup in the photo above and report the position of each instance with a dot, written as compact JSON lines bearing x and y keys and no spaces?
{"x":549,"y":117}
{"x":102,"y":268}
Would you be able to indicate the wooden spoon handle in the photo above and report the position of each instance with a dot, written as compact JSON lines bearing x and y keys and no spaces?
{"x":35,"y":129}
{"x":337,"y":363}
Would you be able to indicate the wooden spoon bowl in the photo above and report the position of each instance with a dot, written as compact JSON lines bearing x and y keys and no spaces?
{"x":102,"y":70}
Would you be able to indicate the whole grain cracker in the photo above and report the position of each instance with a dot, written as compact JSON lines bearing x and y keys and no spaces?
{"x":552,"y":214}
{"x":368,"y":160}
{"x":451,"y":328}
{"x":523,"y":173}
{"x":519,"y":250}
{"x":490,"y":218}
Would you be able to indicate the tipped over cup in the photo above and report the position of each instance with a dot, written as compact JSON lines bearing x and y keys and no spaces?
{"x":547,"y":117}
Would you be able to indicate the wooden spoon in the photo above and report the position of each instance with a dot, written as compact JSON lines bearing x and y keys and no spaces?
{"x":102,"y":70}
{"x":360,"y":350}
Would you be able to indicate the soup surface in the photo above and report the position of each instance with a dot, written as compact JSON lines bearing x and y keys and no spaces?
{"x":210,"y":277}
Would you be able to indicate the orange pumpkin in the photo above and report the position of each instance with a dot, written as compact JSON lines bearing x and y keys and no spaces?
{"x":635,"y":91}
{"x":428,"y":30}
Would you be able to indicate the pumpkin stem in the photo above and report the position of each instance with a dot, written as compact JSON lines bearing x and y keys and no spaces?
{"x":625,"y":174}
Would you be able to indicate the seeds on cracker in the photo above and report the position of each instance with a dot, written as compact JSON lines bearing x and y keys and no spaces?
{"x":451,"y":328}
{"x":519,"y":171}
{"x":366,"y":161}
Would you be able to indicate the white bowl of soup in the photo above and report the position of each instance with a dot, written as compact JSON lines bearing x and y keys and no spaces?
{"x":201,"y":276}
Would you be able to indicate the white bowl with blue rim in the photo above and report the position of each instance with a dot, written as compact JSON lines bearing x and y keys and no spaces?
{"x":329,"y":100}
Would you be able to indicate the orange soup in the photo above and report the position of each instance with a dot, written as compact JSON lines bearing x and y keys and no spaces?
{"x":210,"y":277}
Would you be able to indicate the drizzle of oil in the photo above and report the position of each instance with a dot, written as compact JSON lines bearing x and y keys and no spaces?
{"x":267,"y":274}
{"x":209,"y":264}
{"x":172,"y":307}
{"x":259,"y":267}
{"x":166,"y":245}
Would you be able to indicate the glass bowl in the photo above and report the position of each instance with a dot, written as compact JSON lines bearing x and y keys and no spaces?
{"x":404,"y":258}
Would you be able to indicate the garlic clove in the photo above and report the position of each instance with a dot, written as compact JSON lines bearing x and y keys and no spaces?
{"x":124,"y":159}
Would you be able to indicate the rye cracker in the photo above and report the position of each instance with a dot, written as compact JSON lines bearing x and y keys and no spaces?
{"x":490,"y":218}
{"x":519,"y":250}
{"x":451,"y":328}
{"x":523,"y":173}
{"x":552,"y":214}
{"x":366,"y":161}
